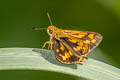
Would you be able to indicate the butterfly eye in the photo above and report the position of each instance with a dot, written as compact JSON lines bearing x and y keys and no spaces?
{"x":50,"y":31}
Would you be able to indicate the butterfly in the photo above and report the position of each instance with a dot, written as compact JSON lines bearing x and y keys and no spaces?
{"x":71,"y":46}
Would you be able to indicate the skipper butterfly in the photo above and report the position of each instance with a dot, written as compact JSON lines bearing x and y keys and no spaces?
{"x":70,"y":46}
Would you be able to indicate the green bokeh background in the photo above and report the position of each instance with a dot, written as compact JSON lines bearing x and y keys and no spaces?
{"x":17,"y":17}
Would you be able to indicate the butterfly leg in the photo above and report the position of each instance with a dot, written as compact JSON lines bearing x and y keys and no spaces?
{"x":49,"y":47}
{"x":80,"y":60}
{"x":47,"y":42}
{"x":50,"y":51}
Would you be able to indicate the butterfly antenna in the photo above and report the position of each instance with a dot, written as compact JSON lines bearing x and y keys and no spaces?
{"x":49,"y":18}
{"x":36,"y":28}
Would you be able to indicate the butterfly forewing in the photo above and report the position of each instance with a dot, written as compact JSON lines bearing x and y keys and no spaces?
{"x":90,"y":38}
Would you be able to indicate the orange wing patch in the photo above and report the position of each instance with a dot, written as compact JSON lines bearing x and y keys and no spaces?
{"x":87,"y":41}
{"x":93,"y":41}
{"x":91,"y":35}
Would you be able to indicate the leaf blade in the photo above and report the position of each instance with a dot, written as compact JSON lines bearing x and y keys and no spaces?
{"x":25,"y":58}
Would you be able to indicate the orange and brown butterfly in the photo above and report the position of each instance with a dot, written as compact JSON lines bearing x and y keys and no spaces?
{"x":70,"y":46}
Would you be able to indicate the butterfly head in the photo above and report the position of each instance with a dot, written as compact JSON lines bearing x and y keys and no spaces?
{"x":51,"y":29}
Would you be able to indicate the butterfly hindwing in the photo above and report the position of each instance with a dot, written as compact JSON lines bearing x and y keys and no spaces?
{"x":64,"y":54}
{"x":77,"y":46}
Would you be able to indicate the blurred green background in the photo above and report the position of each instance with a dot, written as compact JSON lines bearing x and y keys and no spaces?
{"x":17,"y":17}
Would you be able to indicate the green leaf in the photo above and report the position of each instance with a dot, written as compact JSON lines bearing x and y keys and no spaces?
{"x":33,"y":59}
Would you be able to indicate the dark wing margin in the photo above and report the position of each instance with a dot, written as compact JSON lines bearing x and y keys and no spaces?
{"x":97,"y":38}
{"x":64,"y":54}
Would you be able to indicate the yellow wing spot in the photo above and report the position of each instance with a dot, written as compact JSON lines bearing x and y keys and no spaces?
{"x":85,"y":49}
{"x":87,"y":41}
{"x":75,"y":48}
{"x":93,"y":41}
{"x":67,"y":31}
{"x":78,"y":48}
{"x":80,"y":43}
{"x":67,"y":55}
{"x":60,"y":54}
{"x":72,"y":32}
{"x":78,"y":36}
{"x":57,"y":50}
{"x":80,"y":58}
{"x":91,"y":36}
{"x":70,"y":53}
{"x":72,"y":40}
{"x":62,"y":48}
{"x":81,"y":33}
{"x":63,"y":57}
